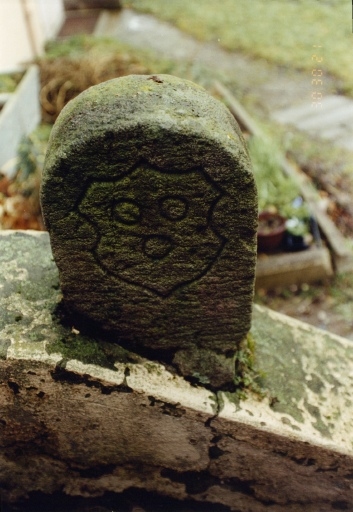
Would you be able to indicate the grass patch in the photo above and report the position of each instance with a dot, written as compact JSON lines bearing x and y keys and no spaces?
{"x":282,"y":32}
{"x":84,"y":45}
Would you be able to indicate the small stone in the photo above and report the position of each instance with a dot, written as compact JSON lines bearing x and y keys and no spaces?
{"x":212,"y":368}
{"x":151,"y":207}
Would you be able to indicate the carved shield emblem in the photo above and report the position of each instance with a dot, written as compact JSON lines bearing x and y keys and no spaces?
{"x":155,"y":227}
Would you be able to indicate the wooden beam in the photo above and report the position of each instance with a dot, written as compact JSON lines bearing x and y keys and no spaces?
{"x":308,"y":266}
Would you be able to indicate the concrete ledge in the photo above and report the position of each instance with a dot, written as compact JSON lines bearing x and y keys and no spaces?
{"x":83,"y":421}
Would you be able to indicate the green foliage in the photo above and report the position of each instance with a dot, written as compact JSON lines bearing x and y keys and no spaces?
{"x":9,"y":82}
{"x":275,"y":189}
{"x":31,"y":151}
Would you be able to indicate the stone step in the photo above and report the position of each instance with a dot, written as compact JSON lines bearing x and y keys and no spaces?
{"x":333,"y":121}
{"x":299,"y":113}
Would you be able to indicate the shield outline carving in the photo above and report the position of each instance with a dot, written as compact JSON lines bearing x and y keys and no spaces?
{"x":146,"y":280}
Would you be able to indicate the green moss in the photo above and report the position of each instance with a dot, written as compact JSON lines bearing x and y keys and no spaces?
{"x":296,"y":373}
{"x":82,"y":348}
{"x":71,"y":344}
{"x":281,"y":376}
{"x":202,"y":379}
{"x":318,"y":423}
{"x":115,"y":353}
{"x":4,"y":345}
{"x":247,"y":378}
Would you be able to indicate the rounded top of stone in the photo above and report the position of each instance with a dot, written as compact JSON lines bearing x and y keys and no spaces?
{"x":166,"y":101}
{"x":160,"y":89}
{"x":163,"y":120}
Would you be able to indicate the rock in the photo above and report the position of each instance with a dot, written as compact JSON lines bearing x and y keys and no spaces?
{"x":150,"y":202}
{"x":215,"y":368}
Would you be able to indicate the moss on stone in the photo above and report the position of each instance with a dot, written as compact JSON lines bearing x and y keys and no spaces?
{"x":82,"y":348}
{"x":247,"y":377}
{"x":282,"y":380}
{"x":299,"y":376}
{"x":72,"y":344}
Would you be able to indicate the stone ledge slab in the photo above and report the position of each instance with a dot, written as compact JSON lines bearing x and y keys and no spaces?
{"x":76,"y":423}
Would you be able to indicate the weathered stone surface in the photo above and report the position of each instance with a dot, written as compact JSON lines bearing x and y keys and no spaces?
{"x":84,"y":422}
{"x":149,"y":198}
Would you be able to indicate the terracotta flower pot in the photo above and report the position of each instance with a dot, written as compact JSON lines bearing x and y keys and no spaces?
{"x":271,"y":230}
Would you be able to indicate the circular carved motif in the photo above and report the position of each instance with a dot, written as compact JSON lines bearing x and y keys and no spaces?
{"x":152,"y":239}
{"x":126,"y":211}
{"x":174,"y":208}
{"x":157,"y":246}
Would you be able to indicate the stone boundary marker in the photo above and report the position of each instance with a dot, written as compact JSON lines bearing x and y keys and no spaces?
{"x":150,"y":202}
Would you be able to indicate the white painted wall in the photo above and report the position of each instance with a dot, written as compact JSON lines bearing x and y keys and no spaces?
{"x":14,"y":43}
{"x":18,"y":118}
{"x":25,"y":25}
{"x":51,"y":14}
